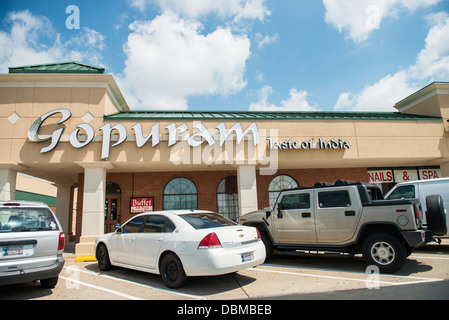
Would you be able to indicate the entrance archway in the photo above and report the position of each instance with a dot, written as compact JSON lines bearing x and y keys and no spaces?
{"x":112,"y":206}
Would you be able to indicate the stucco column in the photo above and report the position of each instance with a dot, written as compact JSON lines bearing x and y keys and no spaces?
{"x":8,"y":177}
{"x":64,"y":205}
{"x":246,"y":179}
{"x":93,"y":205}
{"x":445,"y":169}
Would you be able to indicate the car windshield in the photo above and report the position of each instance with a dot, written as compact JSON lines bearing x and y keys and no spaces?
{"x":206,"y":220}
{"x":26,"y":219}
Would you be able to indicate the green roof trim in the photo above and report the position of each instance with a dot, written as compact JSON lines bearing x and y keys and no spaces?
{"x":265,"y":115}
{"x":29,"y":196}
{"x":58,"y":67}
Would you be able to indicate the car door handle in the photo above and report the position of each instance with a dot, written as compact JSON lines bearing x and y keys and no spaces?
{"x":159,"y":239}
{"x":306,"y":214}
{"x":350,"y":213}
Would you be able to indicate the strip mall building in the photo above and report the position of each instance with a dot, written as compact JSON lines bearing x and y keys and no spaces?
{"x":69,"y":123}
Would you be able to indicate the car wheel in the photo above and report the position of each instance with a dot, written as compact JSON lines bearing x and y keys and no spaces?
{"x":172,"y":271}
{"x":104,"y":264}
{"x":49,"y":283}
{"x":268,"y":245}
{"x":435,"y":215}
{"x":385,"y":251}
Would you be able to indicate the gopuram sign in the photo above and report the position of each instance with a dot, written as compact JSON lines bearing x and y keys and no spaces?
{"x":200,"y":135}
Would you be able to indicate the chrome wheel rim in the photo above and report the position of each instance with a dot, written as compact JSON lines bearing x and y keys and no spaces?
{"x":383,"y":253}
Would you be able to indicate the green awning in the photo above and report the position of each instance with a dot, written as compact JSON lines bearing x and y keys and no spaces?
{"x":29,"y":196}
{"x":58,"y":67}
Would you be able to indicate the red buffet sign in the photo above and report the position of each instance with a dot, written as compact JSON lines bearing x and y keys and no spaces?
{"x":139,"y":205}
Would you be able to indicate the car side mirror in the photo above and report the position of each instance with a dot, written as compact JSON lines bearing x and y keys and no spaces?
{"x":280,"y":214}
{"x":118,"y":228}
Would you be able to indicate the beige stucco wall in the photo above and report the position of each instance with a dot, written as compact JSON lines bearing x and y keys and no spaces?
{"x":26,"y":97}
{"x":373,"y":143}
{"x":432,"y":100}
{"x":30,"y":184}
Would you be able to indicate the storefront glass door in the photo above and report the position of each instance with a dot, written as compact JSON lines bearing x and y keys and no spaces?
{"x":111,"y":213}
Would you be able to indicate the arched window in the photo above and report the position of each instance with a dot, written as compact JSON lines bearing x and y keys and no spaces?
{"x":228,"y":198}
{"x":180,"y":194}
{"x":112,"y":188}
{"x":278,"y":184}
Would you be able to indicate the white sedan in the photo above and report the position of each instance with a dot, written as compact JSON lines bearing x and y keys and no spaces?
{"x":180,"y":244}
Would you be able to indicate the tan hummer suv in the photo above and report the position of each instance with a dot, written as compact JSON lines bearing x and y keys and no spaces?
{"x":347,"y":216}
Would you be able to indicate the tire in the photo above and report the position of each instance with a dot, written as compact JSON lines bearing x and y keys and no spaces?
{"x":435,"y":215}
{"x":104,"y":263}
{"x":385,"y":251}
{"x":49,"y":283}
{"x":172,"y":271}
{"x":268,"y":245}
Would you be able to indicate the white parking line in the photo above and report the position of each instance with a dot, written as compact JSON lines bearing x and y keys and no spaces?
{"x":191,"y":296}
{"x":419,"y":279}
{"x":118,"y":293}
{"x":430,"y":257}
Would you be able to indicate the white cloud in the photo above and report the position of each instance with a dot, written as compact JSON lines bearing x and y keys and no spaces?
{"x":296,"y":102}
{"x":433,"y":60}
{"x":32,"y":39}
{"x":261,"y":40}
{"x":88,"y":38}
{"x":194,"y":9}
{"x":380,"y":96}
{"x":432,"y":64}
{"x":169,"y":60}
{"x":139,"y":4}
{"x":416,"y":4}
{"x":359,"y":18}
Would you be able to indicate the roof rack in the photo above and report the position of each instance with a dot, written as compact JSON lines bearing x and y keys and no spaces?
{"x":323,"y":184}
{"x":345,"y":182}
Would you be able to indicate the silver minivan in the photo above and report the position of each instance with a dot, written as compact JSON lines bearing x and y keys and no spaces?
{"x":420,"y":189}
{"x":31,"y":243}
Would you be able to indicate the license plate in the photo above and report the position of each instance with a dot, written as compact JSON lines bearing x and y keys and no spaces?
{"x":12,"y":251}
{"x":246,"y":257}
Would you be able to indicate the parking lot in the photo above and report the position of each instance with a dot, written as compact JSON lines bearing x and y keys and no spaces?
{"x":425,"y":275}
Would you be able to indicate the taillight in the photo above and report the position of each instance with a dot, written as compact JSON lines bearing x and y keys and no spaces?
{"x":210,"y":241}
{"x":61,"y":241}
{"x":258,"y":234}
{"x":416,"y":212}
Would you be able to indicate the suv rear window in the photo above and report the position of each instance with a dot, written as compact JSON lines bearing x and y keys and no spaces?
{"x":26,"y":219}
{"x":333,"y":199}
{"x":206,"y":220}
{"x":375,"y":193}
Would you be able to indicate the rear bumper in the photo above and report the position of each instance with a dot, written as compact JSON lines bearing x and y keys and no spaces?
{"x":208,"y":262}
{"x":415,"y":238}
{"x":28,"y":275}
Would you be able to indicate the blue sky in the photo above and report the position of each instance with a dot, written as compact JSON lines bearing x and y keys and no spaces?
{"x":287,"y":55}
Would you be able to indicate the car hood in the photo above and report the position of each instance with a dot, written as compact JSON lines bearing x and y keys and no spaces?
{"x":252,"y":216}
